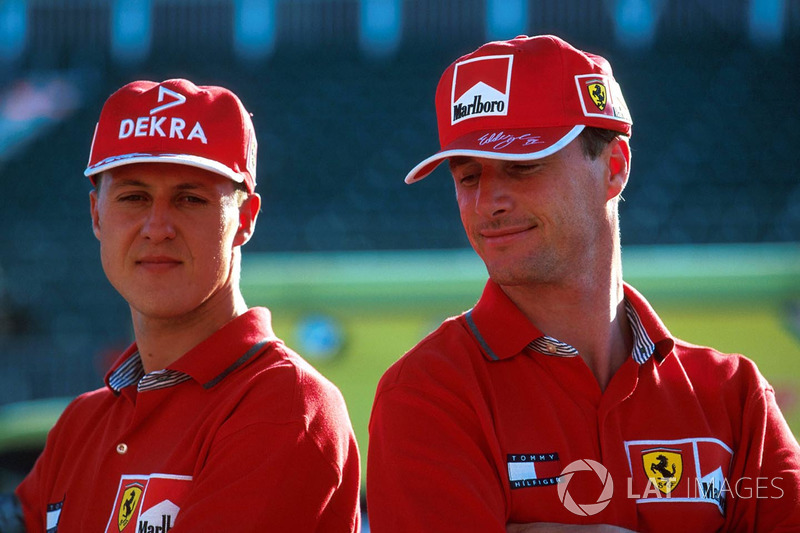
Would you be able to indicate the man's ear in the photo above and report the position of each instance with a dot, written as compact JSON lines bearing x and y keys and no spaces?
{"x":95,"y":215}
{"x":248,"y":212}
{"x":619,"y":166}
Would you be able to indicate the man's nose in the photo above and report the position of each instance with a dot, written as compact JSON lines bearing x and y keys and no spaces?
{"x":158,"y":224}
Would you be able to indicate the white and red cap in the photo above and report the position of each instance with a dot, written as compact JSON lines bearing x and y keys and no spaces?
{"x":522,"y":99}
{"x":175,"y":121}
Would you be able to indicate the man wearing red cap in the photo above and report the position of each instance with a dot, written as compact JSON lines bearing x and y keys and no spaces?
{"x":208,"y":422}
{"x":561,"y":397}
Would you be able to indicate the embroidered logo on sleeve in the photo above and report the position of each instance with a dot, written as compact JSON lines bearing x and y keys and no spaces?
{"x":533,"y":469}
{"x":53,"y":516}
{"x":147,"y":503}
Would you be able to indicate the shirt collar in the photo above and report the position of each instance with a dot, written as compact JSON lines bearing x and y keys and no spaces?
{"x":503,"y":331}
{"x":208,"y":363}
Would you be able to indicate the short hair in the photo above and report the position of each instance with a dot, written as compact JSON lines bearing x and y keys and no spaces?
{"x":594,"y":140}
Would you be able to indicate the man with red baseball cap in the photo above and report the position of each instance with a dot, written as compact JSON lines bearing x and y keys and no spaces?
{"x":561,"y":401}
{"x":208,"y":422}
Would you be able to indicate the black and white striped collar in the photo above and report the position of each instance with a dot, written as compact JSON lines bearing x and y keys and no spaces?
{"x":131,"y":372}
{"x":643,"y":346}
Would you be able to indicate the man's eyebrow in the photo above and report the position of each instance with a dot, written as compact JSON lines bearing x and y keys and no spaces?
{"x":133,"y":182}
{"x":127,"y":182}
{"x":457,"y":161}
{"x":190,"y":185}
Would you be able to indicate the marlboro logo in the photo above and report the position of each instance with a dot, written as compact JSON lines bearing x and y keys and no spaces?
{"x":481,"y":87}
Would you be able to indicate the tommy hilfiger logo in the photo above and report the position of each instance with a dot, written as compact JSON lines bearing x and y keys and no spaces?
{"x":481,"y":87}
{"x":53,"y":516}
{"x":533,"y":469}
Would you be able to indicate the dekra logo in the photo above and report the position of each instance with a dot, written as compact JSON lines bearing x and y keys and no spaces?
{"x":158,"y":126}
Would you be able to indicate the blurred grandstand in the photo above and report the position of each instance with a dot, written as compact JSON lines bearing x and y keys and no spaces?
{"x":342,"y":97}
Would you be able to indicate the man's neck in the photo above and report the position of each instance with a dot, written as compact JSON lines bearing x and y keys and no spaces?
{"x":163,"y":340}
{"x":588,"y":313}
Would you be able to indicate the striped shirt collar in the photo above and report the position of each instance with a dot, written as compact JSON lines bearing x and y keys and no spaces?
{"x":503,"y":331}
{"x":131,"y":372}
{"x":643,"y":347}
{"x":208,"y":363}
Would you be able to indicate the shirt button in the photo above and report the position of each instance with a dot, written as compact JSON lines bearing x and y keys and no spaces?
{"x":551,"y":347}
{"x":122,"y":448}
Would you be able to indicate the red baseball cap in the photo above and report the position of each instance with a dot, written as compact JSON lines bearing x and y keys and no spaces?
{"x":522,"y":99}
{"x":175,"y":121}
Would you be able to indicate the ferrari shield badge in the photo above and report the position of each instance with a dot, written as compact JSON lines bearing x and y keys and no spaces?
{"x":664,"y":468}
{"x":127,"y":507}
{"x":597,"y":92}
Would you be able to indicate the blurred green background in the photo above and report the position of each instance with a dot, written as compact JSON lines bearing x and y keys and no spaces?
{"x":352,"y":315}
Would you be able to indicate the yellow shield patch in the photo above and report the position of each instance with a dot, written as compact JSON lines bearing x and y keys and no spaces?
{"x":127,"y":508}
{"x":597,"y":91}
{"x":664,"y":468}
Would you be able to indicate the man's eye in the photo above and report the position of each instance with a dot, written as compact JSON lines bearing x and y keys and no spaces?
{"x":189,"y":199}
{"x":468,"y":179}
{"x":525,"y":168}
{"x":131,"y":198}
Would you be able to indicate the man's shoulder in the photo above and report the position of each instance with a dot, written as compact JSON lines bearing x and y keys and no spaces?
{"x":707,"y":364}
{"x":711,"y":358}
{"x":291,"y":385}
{"x":92,"y":400}
{"x":445,"y":353}
{"x":287,"y":389}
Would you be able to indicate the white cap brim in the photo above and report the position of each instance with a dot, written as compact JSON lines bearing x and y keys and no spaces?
{"x":428,"y":165}
{"x":179,"y":159}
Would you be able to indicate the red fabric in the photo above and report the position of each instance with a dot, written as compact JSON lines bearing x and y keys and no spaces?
{"x":461,"y":418}
{"x":263,"y":444}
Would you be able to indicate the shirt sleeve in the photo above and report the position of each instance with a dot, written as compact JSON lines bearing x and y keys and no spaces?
{"x":27,"y":494}
{"x":430,"y":467}
{"x":765,"y":495}
{"x":286,"y":483}
{"x":32,"y":489}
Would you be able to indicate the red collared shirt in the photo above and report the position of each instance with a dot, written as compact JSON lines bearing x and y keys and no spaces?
{"x":488,"y":421}
{"x":239,"y":434}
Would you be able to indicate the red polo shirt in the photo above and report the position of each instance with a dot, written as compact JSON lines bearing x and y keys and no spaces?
{"x":488,"y":422}
{"x":239,"y":434}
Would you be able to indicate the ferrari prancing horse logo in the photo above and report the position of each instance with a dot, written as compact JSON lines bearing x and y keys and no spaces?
{"x":597,"y":91}
{"x":130,"y":500}
{"x":663,"y":467}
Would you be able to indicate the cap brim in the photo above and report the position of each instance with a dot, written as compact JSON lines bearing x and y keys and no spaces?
{"x":507,"y":145}
{"x":179,"y":159}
